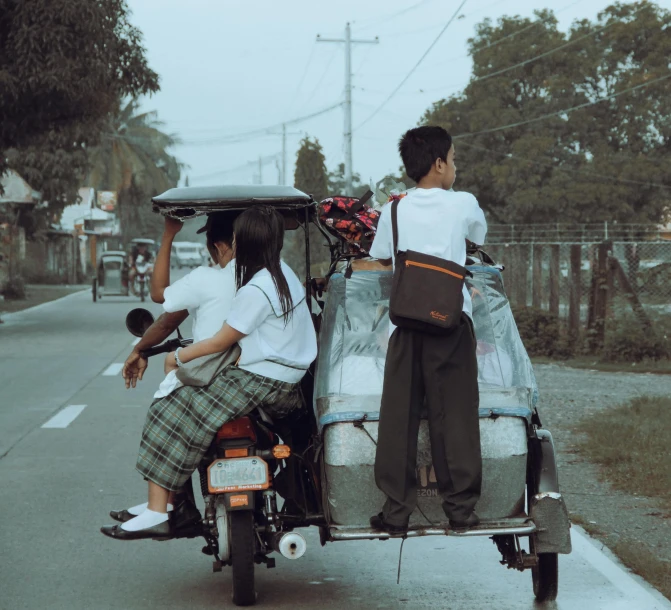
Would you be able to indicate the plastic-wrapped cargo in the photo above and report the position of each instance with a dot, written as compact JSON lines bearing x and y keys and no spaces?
{"x":350,"y":370}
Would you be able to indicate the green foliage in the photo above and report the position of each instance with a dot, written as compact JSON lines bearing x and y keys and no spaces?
{"x":541,"y":333}
{"x":135,"y":213}
{"x":310,"y":176}
{"x":627,"y":340}
{"x":133,"y":159}
{"x":134,"y":148}
{"x":561,"y":169}
{"x":14,"y":288}
{"x":338,"y":186}
{"x":64,"y":66}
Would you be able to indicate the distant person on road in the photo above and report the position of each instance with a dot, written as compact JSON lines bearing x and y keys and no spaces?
{"x":138,"y":250}
{"x":439,"y":371}
{"x":270,"y":320}
{"x":206,"y":295}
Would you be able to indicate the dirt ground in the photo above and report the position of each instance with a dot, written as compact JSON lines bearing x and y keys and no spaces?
{"x":624,"y":522}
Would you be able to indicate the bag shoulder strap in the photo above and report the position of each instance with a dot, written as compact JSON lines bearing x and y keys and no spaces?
{"x":394,"y":223}
{"x":358,"y":205}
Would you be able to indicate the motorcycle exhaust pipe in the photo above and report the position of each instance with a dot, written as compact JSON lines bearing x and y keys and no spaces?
{"x":291,"y":545}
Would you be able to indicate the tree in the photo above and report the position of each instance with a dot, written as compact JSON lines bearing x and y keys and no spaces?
{"x":601,"y":162}
{"x":64,"y":66}
{"x":133,"y":159}
{"x":338,"y":186}
{"x":310,"y":176}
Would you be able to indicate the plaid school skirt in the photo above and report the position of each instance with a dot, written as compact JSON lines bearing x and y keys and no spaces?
{"x":180,"y":427}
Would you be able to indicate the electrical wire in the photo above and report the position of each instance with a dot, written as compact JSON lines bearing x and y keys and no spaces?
{"x":308,"y":98}
{"x":421,"y":59}
{"x":565,"y":169}
{"x":244,"y":136}
{"x":565,"y":111}
{"x":305,"y":73}
{"x":233,"y":170}
{"x":530,"y":60}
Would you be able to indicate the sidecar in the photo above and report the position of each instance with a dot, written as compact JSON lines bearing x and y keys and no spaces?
{"x":520,"y":495}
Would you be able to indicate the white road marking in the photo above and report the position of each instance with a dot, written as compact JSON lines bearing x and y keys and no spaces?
{"x":64,"y":417}
{"x":633,"y":587}
{"x":113,"y":369}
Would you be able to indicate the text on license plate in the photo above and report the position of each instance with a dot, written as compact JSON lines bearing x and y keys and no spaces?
{"x":238,"y":474}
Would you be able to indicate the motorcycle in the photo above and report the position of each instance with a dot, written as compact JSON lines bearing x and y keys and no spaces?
{"x":143,"y":270}
{"x":263,"y":479}
{"x":249,"y":460}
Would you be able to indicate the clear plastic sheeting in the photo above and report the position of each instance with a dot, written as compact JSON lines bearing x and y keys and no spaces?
{"x":354,"y":338}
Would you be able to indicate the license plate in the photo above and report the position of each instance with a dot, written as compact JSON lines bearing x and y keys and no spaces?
{"x":238,"y":474}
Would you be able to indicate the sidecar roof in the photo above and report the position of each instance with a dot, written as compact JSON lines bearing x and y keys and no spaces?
{"x":198,"y":200}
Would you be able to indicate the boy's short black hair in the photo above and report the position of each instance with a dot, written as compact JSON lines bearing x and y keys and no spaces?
{"x":421,"y":146}
{"x":219,"y":227}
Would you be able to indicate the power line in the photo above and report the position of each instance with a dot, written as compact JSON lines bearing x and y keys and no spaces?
{"x":325,"y":72}
{"x":565,"y":169}
{"x":421,"y":59}
{"x":239,"y":168}
{"x":565,"y":111}
{"x":305,"y":73}
{"x":243,"y":136}
{"x":532,"y":59}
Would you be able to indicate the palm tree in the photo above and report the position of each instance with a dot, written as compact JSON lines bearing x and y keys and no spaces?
{"x":134,"y":149}
{"x":133,"y":160}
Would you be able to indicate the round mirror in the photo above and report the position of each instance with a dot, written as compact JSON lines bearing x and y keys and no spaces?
{"x":138,"y":321}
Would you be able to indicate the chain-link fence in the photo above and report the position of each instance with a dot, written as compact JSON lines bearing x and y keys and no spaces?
{"x":557,"y":268}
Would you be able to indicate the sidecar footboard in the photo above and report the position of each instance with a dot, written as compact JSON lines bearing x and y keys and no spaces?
{"x":516,"y":527}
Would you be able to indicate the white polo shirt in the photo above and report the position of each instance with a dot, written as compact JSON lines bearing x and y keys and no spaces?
{"x":272,"y":347}
{"x":435,"y":222}
{"x":207,"y":293}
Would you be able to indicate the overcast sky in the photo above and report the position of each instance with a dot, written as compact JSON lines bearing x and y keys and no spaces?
{"x":230,"y":66}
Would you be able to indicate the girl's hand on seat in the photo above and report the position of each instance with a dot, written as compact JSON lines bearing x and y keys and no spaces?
{"x":170,"y":363}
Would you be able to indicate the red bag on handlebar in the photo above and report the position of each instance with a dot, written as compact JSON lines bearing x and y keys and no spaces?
{"x":351,"y":220}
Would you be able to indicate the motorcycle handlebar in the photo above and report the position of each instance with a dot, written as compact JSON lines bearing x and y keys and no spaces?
{"x":164,"y":348}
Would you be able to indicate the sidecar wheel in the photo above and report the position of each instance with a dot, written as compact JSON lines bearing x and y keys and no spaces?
{"x":545,"y":577}
{"x":242,"y":557}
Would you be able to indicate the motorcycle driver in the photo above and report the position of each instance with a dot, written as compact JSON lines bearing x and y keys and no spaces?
{"x":139,"y":250}
{"x":206,"y":294}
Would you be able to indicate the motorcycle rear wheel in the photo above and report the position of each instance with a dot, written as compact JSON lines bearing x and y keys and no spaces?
{"x":242,"y":557}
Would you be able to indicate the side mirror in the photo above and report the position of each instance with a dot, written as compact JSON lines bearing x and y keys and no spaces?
{"x":138,"y":321}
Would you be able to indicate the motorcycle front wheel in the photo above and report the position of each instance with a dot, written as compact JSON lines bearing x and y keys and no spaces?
{"x":242,"y":556}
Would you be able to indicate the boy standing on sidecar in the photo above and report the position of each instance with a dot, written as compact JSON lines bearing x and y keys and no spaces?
{"x":422,"y":368}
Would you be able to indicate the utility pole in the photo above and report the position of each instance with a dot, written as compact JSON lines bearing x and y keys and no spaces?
{"x":284,"y":154}
{"x":260,"y":170}
{"x":348,"y":96}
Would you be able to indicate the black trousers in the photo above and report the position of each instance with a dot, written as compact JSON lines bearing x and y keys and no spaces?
{"x":440,"y":372}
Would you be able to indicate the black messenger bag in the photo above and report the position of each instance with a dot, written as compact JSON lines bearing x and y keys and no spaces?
{"x":427,"y":291}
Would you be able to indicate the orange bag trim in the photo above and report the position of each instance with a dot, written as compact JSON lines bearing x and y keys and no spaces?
{"x":433,"y":268}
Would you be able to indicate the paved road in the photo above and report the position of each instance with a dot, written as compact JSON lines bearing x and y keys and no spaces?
{"x":58,"y":483}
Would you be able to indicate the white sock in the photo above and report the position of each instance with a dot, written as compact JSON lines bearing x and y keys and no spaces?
{"x":148,"y":518}
{"x":140,"y":508}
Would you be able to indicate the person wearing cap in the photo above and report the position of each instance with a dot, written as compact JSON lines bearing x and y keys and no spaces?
{"x":205,"y":294}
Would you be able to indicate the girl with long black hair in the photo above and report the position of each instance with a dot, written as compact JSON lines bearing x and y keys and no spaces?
{"x":270,"y":320}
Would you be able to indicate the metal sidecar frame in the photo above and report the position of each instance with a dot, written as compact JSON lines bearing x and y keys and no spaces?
{"x":521,"y":501}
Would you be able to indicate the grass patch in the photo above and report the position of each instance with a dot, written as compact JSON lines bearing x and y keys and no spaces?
{"x":631,"y":444}
{"x":647,"y":565}
{"x":659,"y":367}
{"x":36,"y":295}
{"x":639,"y":560}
